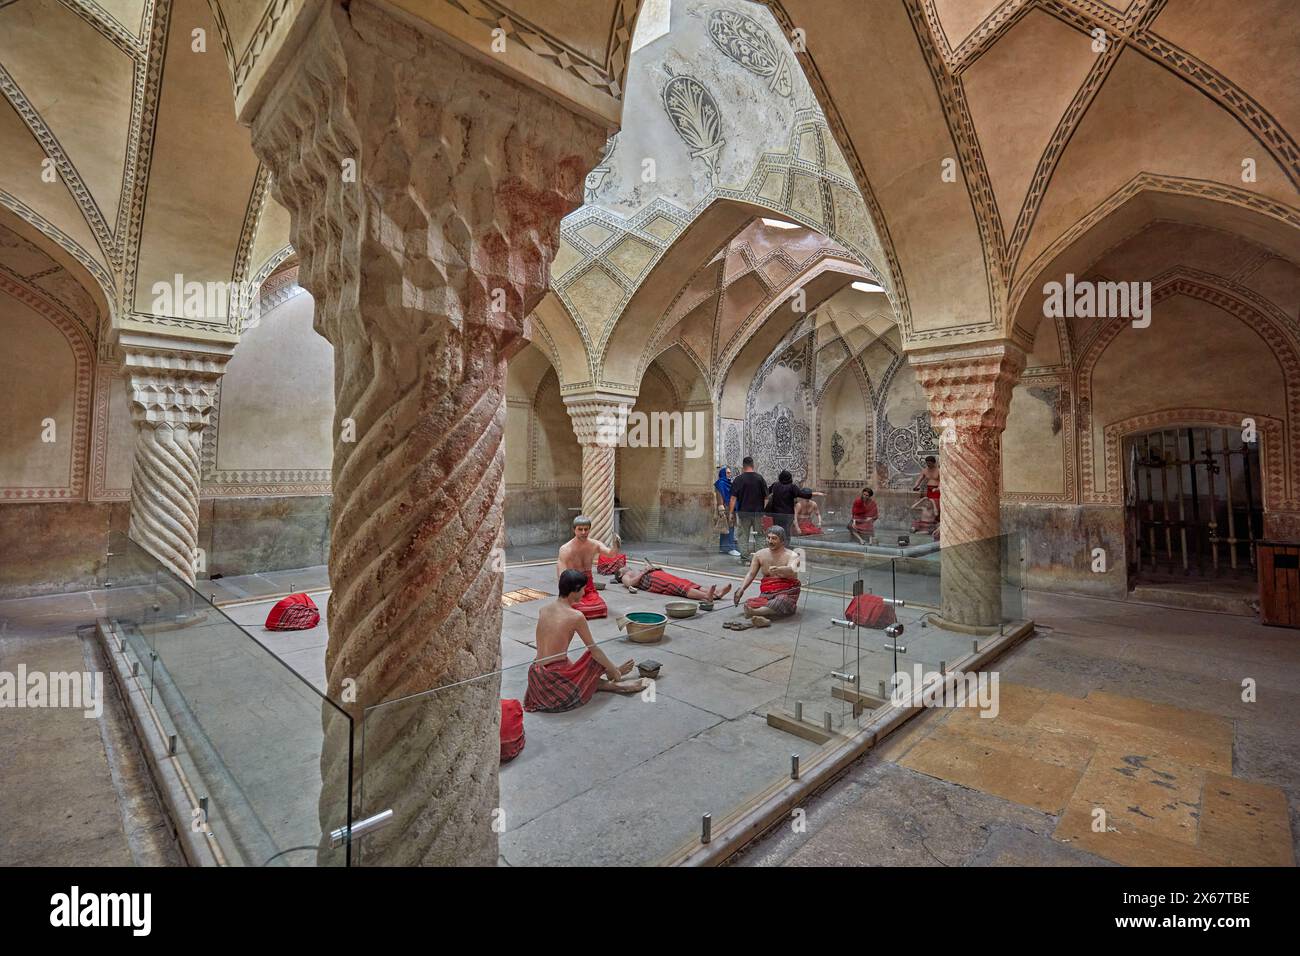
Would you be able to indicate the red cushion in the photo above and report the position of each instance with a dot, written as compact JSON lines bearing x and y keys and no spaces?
{"x":297,"y":612}
{"x":870,"y":610}
{"x":512,"y":729}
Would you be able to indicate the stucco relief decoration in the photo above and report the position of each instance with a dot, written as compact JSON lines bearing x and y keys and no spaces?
{"x":599,"y":177}
{"x":904,"y":449}
{"x":779,"y":440}
{"x":837,"y":452}
{"x":695,"y":115}
{"x":745,"y":41}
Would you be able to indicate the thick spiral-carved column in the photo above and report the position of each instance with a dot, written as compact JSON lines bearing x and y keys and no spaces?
{"x":969,"y":392}
{"x":426,"y":192}
{"x":598,"y":423}
{"x":172,"y":393}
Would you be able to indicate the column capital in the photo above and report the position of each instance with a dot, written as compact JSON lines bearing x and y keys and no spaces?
{"x":444,"y":222}
{"x":598,"y":416}
{"x":172,"y":381}
{"x":969,"y":386}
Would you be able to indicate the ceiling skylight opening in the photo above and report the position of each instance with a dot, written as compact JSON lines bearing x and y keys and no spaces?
{"x":781,"y":224}
{"x":867,"y":287}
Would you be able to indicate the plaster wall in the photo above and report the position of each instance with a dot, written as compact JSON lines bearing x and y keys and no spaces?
{"x":38,"y":377}
{"x":276,"y":408}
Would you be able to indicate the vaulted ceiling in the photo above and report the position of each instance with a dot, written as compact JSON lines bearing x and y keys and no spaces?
{"x":1045,"y":116}
{"x":127,"y":179}
{"x":987,"y":136}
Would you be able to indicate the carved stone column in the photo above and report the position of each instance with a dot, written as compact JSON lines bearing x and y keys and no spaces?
{"x":969,"y":392}
{"x":597,"y":423}
{"x":425,"y":191}
{"x":172,"y":392}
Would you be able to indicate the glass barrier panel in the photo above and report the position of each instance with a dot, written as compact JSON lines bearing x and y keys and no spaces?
{"x":251,"y":735}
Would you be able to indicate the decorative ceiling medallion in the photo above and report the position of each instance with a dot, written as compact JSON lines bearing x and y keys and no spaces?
{"x":695,"y":115}
{"x":742,"y":39}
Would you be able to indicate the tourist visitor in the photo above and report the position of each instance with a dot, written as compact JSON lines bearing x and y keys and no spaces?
{"x":724,"y":521}
{"x":748,"y":494}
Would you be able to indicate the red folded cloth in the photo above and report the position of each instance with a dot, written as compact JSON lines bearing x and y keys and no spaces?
{"x":870,"y":610}
{"x":297,"y":612}
{"x":512,"y":729}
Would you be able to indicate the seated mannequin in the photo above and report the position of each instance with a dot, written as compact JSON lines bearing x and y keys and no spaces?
{"x":577,"y":554}
{"x":779,"y":590}
{"x":865,"y":512}
{"x":927,"y":518}
{"x":557,"y":684}
{"x":658,"y":581}
{"x":808,"y":517}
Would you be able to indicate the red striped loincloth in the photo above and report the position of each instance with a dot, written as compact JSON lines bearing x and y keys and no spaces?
{"x":611,"y":564}
{"x":779,"y":595}
{"x":661,"y":582}
{"x":562,"y":684}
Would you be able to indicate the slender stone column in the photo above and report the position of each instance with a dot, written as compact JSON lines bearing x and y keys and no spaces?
{"x":172,"y":393}
{"x":425,"y":191}
{"x":597,"y":421}
{"x":969,"y":392}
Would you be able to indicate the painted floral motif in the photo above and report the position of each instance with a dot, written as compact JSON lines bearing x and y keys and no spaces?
{"x":695,"y":115}
{"x":745,"y":41}
{"x":837,"y":452}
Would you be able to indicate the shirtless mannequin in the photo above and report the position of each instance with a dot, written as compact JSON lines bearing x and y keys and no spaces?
{"x":578,"y":554}
{"x":554,"y":682}
{"x":928,"y":479}
{"x":807,"y":514}
{"x":779,"y":592}
{"x":667,"y":584}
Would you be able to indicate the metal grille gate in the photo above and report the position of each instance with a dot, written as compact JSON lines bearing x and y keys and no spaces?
{"x":1193,"y":504}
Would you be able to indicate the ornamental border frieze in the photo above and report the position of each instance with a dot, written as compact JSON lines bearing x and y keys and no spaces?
{"x":107,"y":374}
{"x":145,"y":95}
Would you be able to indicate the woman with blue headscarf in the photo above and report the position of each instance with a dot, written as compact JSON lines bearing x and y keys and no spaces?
{"x":721,"y":518}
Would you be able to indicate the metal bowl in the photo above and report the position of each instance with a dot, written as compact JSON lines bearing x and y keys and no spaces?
{"x":682,"y":608}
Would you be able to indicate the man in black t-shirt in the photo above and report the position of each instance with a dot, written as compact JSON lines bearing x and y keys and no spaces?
{"x":748,"y":497}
